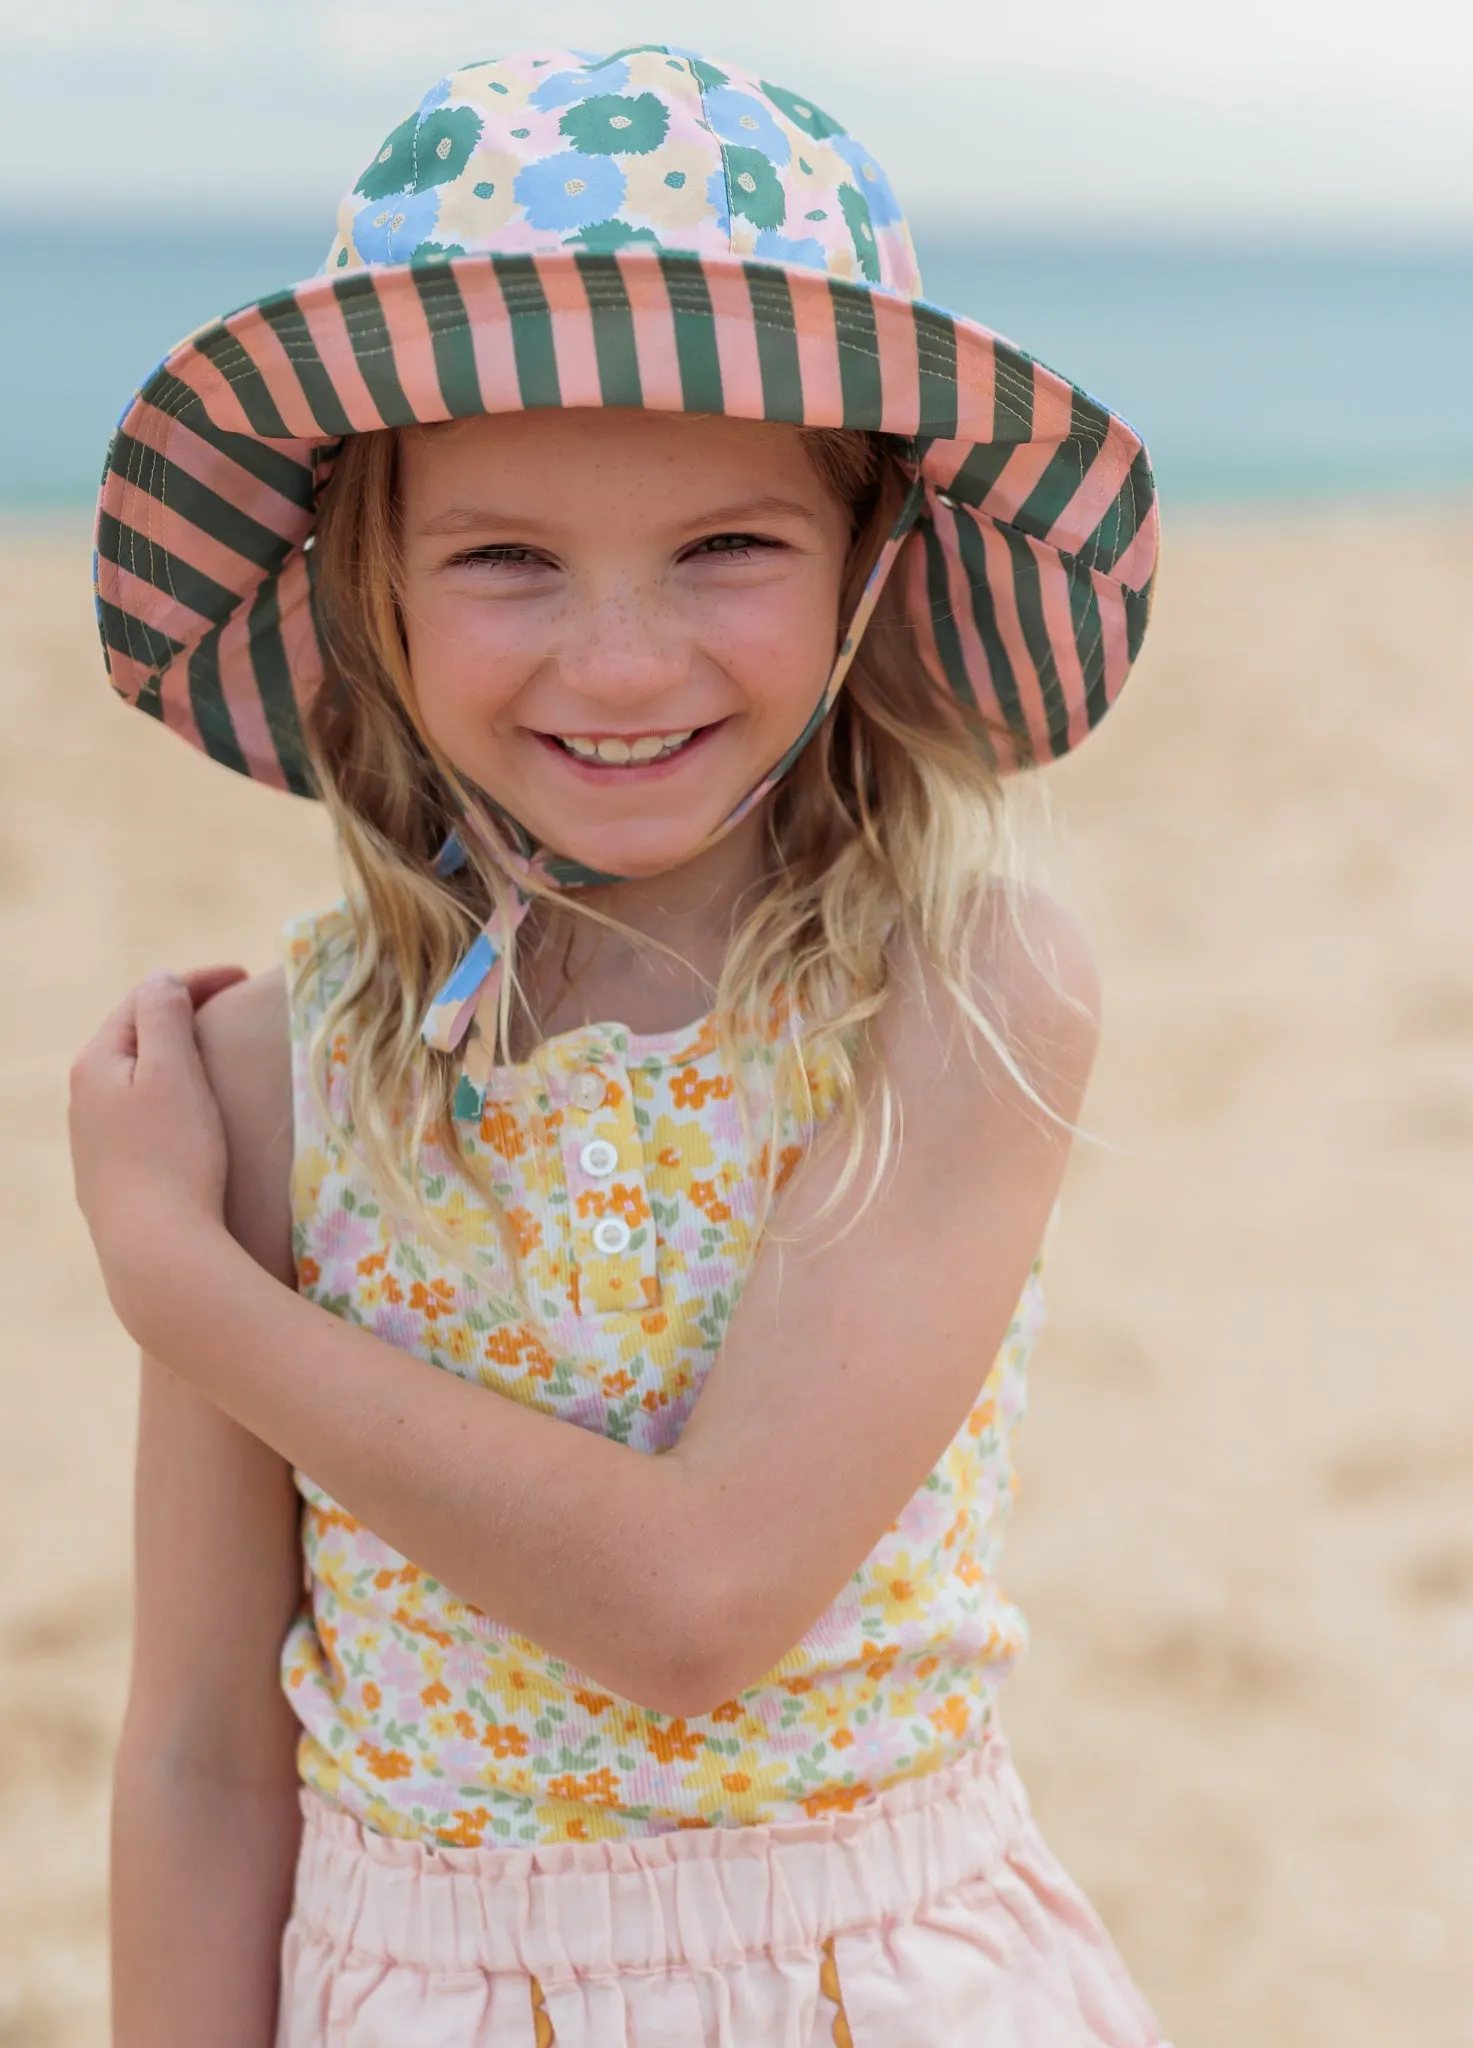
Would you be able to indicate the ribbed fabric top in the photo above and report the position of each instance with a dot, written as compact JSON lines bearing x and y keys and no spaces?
{"x":627,"y":1194}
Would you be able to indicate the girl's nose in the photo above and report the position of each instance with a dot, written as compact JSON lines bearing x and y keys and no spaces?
{"x":625,"y":648}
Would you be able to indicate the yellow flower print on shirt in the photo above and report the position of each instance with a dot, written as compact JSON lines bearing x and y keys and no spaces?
{"x":679,"y":1149}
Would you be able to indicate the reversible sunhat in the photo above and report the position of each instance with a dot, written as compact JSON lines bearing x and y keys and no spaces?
{"x":646,"y":229}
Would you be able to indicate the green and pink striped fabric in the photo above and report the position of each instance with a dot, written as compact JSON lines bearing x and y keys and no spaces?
{"x":1029,"y":564}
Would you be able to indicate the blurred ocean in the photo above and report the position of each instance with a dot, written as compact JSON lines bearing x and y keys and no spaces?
{"x":1286,"y":371}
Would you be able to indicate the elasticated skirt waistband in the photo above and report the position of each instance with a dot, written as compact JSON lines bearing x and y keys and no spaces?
{"x":705,"y":1898}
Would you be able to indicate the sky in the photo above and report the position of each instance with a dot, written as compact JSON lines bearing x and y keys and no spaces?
{"x":1281,"y":116}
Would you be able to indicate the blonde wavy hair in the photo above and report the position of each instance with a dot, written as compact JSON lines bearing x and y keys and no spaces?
{"x":891,"y":817}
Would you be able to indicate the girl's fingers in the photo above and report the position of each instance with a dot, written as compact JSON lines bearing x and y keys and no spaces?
{"x":167,"y":1003}
{"x":116,"y":1039}
{"x":205,"y":982}
{"x":165,"y":1026}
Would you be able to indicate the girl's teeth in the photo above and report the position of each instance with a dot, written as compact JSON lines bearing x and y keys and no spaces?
{"x":619,"y":753}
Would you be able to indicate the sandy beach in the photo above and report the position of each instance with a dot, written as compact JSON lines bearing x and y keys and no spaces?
{"x":1244,"y":1540}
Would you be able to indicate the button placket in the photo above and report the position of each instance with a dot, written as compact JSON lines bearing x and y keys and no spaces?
{"x":610,"y":1221}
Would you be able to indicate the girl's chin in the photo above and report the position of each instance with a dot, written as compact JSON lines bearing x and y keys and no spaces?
{"x":631,"y":858}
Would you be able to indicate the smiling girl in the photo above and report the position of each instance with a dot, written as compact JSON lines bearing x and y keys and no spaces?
{"x":585,"y":1297}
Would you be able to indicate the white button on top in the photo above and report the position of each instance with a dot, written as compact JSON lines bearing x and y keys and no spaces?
{"x":611,"y":1235}
{"x":588,"y":1089}
{"x":598,"y":1158}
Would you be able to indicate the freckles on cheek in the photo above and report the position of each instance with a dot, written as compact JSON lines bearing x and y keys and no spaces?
{"x":467,"y":669}
{"x":778,"y":648}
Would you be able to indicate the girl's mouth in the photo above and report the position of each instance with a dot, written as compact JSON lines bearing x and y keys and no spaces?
{"x":621,"y":754}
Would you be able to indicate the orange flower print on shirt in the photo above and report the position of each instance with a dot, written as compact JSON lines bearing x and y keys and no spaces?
{"x":599,"y":1788}
{"x":703,"y":1194}
{"x":675,"y":1741}
{"x":526,"y":1230}
{"x":515,"y":1344}
{"x":787,"y":1162}
{"x":502,"y":1132}
{"x":834,"y":1799}
{"x":504,"y":1739}
{"x":622,"y":1199}
{"x":432,"y":1299}
{"x":385,"y":1764}
{"x":466,"y":1829}
{"x":952,"y":1717}
{"x":690,"y":1090}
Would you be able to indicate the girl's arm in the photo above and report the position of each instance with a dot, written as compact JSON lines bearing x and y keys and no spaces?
{"x":849,"y":1364}
{"x":205,"y":1812}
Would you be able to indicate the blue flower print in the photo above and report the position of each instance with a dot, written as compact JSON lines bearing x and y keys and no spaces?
{"x":740,"y":118}
{"x":808,"y":253}
{"x":563,"y":88}
{"x":884,"y":207}
{"x":390,"y":229}
{"x":435,"y":97}
{"x":570,"y":190}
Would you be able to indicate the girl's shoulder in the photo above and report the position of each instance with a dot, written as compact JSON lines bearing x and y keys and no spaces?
{"x":1033,"y":958}
{"x":1031,"y":975}
{"x":1029,"y":969}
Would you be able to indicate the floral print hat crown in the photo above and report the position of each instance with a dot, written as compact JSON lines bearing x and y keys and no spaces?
{"x":647,"y":229}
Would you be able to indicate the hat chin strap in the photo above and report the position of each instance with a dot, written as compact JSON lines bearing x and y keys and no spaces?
{"x":476,"y":979}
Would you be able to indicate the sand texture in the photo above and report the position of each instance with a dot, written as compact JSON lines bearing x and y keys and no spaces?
{"x":1245,"y":1539}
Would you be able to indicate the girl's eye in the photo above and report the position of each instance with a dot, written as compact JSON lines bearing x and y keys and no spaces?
{"x":731,"y":546}
{"x":501,"y":555}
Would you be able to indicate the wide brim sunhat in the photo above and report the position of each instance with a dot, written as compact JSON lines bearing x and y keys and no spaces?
{"x":653,"y":230}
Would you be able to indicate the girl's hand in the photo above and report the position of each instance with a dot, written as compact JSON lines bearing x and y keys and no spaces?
{"x":148,"y":1145}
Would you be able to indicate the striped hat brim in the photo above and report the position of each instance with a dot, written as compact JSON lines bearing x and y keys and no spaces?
{"x":1028,"y":573}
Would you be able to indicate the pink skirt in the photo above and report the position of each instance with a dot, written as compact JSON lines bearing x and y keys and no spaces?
{"x":933,"y":1917}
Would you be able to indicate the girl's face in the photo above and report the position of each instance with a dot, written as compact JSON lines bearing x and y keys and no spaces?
{"x":617,"y":621}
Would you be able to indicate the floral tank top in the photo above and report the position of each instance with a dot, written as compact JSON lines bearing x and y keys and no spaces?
{"x":627,"y":1196}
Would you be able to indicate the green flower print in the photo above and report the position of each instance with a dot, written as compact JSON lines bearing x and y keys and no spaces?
{"x":803,"y":113}
{"x":604,"y":236}
{"x":393,"y":168}
{"x":418,"y":155}
{"x":443,"y":146}
{"x":754,"y":187}
{"x":616,"y":124}
{"x":861,"y":230}
{"x":710,"y":75}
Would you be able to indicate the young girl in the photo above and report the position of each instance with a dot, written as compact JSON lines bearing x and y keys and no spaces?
{"x":602,"y":1268}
